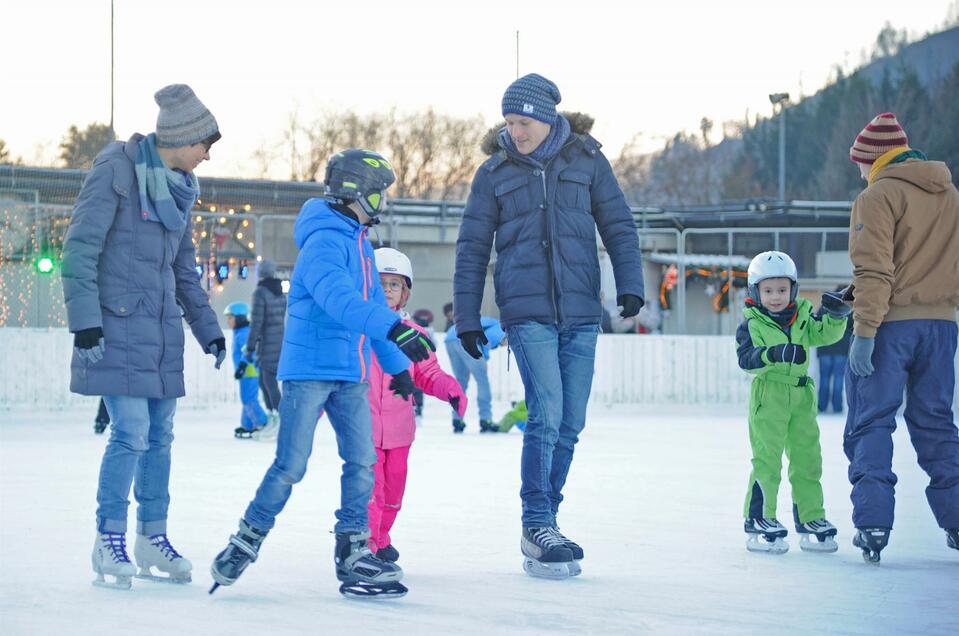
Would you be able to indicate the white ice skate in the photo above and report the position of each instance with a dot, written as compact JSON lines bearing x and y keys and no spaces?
{"x":156,"y":552}
{"x":269,"y":430}
{"x":766,"y":535}
{"x":817,"y":536}
{"x":545,"y":555}
{"x":110,"y":558}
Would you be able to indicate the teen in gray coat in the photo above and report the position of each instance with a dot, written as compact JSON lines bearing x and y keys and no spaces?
{"x":128,"y":282}
{"x":267,"y":325}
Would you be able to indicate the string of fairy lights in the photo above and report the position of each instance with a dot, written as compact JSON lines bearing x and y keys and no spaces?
{"x":31,"y":245}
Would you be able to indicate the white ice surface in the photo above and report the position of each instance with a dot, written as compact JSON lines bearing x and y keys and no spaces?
{"x":654,"y":497}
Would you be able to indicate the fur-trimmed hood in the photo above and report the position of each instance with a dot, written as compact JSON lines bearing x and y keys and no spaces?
{"x":579,"y":124}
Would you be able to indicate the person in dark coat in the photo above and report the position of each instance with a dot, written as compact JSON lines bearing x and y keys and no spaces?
{"x":542,"y":195}
{"x":832,"y":368}
{"x":267,"y":325}
{"x":129,"y":281}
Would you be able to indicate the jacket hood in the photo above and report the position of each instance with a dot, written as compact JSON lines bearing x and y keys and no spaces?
{"x":931,"y":176}
{"x":579,"y":123}
{"x":316,"y":216}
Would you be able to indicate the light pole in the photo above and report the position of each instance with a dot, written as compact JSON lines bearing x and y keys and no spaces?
{"x":782,"y":99}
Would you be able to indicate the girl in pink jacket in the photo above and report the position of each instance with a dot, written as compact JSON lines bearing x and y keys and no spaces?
{"x":394,"y":421}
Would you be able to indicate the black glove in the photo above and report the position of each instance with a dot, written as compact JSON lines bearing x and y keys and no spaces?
{"x":89,"y":345}
{"x":217,"y":348}
{"x":402,"y":385}
{"x":472,"y":341}
{"x":415,"y":345}
{"x":240,"y":369}
{"x":631,"y":305}
{"x":833,"y":305}
{"x":455,"y":403}
{"x":791,"y":353}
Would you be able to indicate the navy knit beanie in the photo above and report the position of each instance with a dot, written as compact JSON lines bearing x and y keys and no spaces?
{"x":533,"y":96}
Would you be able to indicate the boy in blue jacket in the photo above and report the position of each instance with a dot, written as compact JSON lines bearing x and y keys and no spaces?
{"x":336,"y":312}
{"x":254,"y":417}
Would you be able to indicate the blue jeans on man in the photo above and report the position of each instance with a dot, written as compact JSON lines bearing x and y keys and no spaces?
{"x":303,"y":402}
{"x":832,"y":370}
{"x":918,"y":356}
{"x":137,"y":454}
{"x":464,"y":365}
{"x":556,"y":364}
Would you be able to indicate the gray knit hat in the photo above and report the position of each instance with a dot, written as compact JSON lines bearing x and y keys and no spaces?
{"x":533,"y":96}
{"x":267,"y":268}
{"x":183,"y":119}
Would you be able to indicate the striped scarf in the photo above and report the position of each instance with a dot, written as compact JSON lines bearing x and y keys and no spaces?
{"x":166,"y":195}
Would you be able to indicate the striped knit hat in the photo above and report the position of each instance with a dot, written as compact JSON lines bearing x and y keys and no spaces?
{"x":183,"y":119}
{"x":533,"y":96}
{"x":880,"y":136}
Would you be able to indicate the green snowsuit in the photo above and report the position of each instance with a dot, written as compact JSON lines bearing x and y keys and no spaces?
{"x":782,"y":410}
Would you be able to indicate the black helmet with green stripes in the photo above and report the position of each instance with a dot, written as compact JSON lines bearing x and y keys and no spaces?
{"x":361,"y":176}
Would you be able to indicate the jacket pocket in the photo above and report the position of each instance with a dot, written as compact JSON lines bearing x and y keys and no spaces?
{"x":512,"y":197}
{"x":123,"y":305}
{"x":573,"y":190}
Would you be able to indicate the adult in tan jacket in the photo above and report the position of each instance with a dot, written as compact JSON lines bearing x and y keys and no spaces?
{"x":904,"y":247}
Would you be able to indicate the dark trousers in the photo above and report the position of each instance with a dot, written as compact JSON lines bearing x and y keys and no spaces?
{"x":918,"y":356}
{"x":832,"y":368}
{"x":270,"y":389}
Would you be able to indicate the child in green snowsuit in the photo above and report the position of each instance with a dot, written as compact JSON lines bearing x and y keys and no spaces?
{"x":773,"y":341}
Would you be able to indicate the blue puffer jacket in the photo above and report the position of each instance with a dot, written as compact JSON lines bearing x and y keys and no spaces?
{"x":544,"y":223}
{"x":336,"y":306}
{"x":126,"y":272}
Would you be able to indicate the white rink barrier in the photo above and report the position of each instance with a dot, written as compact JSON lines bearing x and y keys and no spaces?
{"x":630,"y":369}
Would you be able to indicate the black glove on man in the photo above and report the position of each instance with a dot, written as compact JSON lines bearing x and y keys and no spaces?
{"x":833,"y":305}
{"x":791,"y":353}
{"x":631,"y":305}
{"x":472,"y":341}
{"x":89,"y":345}
{"x":402,"y":385}
{"x":217,"y":349}
{"x":415,"y":345}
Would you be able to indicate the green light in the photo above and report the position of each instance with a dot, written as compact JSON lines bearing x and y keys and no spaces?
{"x":45,"y":265}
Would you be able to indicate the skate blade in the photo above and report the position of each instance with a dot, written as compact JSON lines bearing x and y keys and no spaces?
{"x":541,"y":570}
{"x":182,"y":579}
{"x":811,"y":543}
{"x":574,"y":568}
{"x":754,"y":544}
{"x":119,"y":582}
{"x":373,"y":591}
{"x":872,"y":558}
{"x":219,"y":579}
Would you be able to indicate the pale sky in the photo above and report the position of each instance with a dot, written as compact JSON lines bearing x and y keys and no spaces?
{"x":649,"y":67}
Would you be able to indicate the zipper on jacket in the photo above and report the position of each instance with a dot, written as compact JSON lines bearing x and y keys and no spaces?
{"x":549,"y":245}
{"x":366,"y":296}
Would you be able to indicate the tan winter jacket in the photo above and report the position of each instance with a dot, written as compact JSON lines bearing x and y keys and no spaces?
{"x":904,"y":246}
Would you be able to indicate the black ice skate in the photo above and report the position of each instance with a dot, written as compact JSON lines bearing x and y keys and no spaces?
{"x":243,"y":549}
{"x":244,"y":433}
{"x":574,"y":567}
{"x":824,"y":533}
{"x":952,"y":538}
{"x":458,"y":425}
{"x":389,"y":553}
{"x":871,"y":541}
{"x":546,"y":555}
{"x":766,"y":535}
{"x":489,"y":426}
{"x":156,"y":552}
{"x":363,"y":575}
{"x":110,"y":558}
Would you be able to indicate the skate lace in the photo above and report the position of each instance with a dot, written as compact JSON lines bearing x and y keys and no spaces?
{"x":116,"y":543}
{"x":548,"y":537}
{"x":161,"y":542}
{"x":818,"y":525}
{"x":769,"y":524}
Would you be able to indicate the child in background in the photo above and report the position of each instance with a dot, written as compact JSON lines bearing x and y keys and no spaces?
{"x":394,"y":425}
{"x":254,"y":417}
{"x":517,"y":417}
{"x":772,"y":344}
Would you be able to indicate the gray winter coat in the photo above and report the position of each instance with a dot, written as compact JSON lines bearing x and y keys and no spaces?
{"x":267,"y":324}
{"x":136,"y":280}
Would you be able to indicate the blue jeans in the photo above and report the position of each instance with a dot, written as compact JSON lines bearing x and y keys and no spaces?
{"x":556,"y":364}
{"x":138,"y":453}
{"x":303,"y":402}
{"x":832,"y":369}
{"x":465,"y":365}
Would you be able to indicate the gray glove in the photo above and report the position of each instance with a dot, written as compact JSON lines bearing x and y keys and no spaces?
{"x":217,"y":349}
{"x":88,"y":344}
{"x":860,"y":356}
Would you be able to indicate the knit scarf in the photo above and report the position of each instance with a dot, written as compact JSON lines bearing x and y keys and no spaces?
{"x":896,"y":155}
{"x":166,"y":195}
{"x":558,"y":134}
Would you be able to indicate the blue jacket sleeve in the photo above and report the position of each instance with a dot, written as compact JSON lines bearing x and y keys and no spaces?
{"x":239,"y":341}
{"x":617,"y":229}
{"x":327,"y":277}
{"x":190,"y":295}
{"x":473,"y":246}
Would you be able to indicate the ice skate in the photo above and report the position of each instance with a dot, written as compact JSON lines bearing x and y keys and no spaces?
{"x":269,"y":431}
{"x":362,"y":574}
{"x":110,"y":558}
{"x":952,"y":538}
{"x":244,"y":433}
{"x":243,"y":549}
{"x":574,"y":566}
{"x":817,"y":536}
{"x":546,"y":555}
{"x":489,"y":426}
{"x":871,"y":541}
{"x":766,"y":535}
{"x":458,"y":425}
{"x":156,"y":552}
{"x":389,"y":553}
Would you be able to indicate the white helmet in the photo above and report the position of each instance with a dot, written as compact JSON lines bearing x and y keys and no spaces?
{"x":772,"y":264}
{"x":390,"y":261}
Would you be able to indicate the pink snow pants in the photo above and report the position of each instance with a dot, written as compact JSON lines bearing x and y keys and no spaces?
{"x":389,"y":484}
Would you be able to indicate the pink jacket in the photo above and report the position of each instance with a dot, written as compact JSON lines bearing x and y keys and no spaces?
{"x":394,"y":422}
